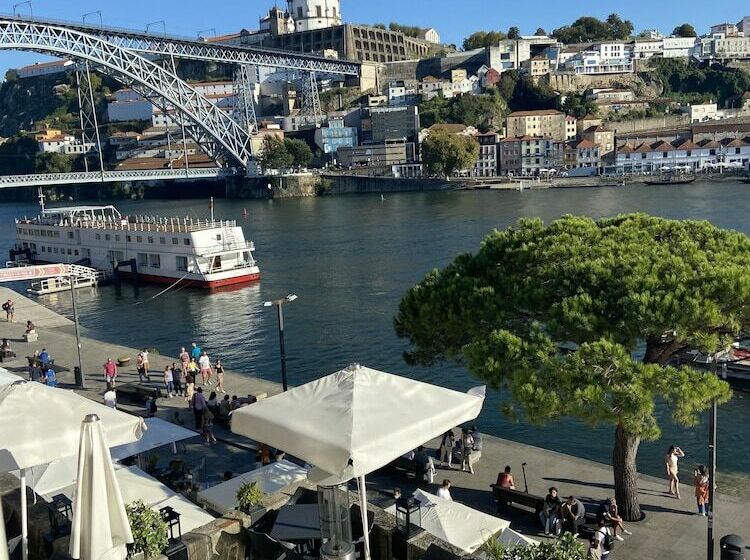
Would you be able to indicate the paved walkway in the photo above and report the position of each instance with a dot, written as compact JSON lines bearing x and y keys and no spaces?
{"x":670,"y":531}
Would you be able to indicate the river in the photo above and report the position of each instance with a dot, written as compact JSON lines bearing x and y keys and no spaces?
{"x":351,"y":258}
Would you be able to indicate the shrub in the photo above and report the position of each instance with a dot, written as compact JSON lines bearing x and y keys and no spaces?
{"x":148,"y":528}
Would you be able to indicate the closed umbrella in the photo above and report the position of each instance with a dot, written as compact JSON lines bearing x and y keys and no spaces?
{"x":30,"y":439}
{"x":101,"y":530}
{"x":355,"y":421}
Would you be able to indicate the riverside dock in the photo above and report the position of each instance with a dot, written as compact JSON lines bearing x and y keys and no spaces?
{"x":671,"y":529}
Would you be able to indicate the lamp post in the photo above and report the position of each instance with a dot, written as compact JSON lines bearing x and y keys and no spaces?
{"x":94,"y":13}
{"x":159,"y":22}
{"x":279,"y":303}
{"x":711,"y":470}
{"x":27,"y":3}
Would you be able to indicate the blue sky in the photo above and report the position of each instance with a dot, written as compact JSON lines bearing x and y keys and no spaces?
{"x":454,"y":19}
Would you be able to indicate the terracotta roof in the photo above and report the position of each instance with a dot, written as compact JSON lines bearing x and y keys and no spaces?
{"x":600,"y":128}
{"x":432,"y":80}
{"x":709,"y":144}
{"x":733,"y":143}
{"x":538,"y":113}
{"x":52,"y":64}
{"x":626,"y":149}
{"x":662,"y":146}
{"x":686,"y":144}
{"x":585,"y":144}
{"x":643,"y":148}
{"x":746,"y":95}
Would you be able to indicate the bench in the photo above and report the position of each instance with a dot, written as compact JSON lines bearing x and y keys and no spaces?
{"x":30,"y":336}
{"x":506,"y":497}
{"x":136,"y":393}
{"x":6,"y":355}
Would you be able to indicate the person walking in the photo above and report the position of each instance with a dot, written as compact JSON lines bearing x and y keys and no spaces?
{"x":110,"y":397}
{"x":467,"y":446}
{"x":169,"y":381}
{"x":110,"y":372}
{"x":446,"y":449}
{"x":199,"y":408}
{"x":140,"y":368}
{"x":674,"y":454}
{"x":195,"y":351}
{"x":177,"y":380}
{"x":189,"y":389}
{"x":10,"y":310}
{"x":204,"y":363}
{"x":184,"y":359}
{"x":144,"y":355}
{"x":219,"y":377}
{"x":208,"y":427}
{"x":700,"y":481}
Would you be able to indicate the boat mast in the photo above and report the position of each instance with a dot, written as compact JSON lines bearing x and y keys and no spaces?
{"x":41,"y":197}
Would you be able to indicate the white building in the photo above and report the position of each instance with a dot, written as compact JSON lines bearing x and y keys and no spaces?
{"x":602,"y":58}
{"x":430,"y":35}
{"x":680,"y":47}
{"x":487,"y":162}
{"x":46,"y":68}
{"x":704,"y":112}
{"x":731,"y":47}
{"x":315,"y":14}
{"x":646,"y":48}
{"x":402,"y":92}
{"x":682,"y":154}
{"x":56,"y":144}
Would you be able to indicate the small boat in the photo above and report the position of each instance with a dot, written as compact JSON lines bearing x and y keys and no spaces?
{"x":672,"y":178}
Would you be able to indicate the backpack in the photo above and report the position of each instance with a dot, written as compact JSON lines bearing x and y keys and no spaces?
{"x":608,"y":543}
{"x":6,"y":306}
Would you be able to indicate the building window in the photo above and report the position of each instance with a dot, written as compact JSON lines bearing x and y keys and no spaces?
{"x":664,"y":154}
{"x":154,"y":261}
{"x":44,"y":250}
{"x":300,"y":15}
{"x":75,"y":252}
{"x":182,"y":263}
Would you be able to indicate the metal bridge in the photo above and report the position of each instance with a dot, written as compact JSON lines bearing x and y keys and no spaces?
{"x":83,"y":177}
{"x":145,"y":62}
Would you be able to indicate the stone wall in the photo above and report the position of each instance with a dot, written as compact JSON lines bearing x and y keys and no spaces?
{"x":649,"y":124}
{"x":570,"y":82}
{"x":289,"y":186}
{"x":351,"y":184}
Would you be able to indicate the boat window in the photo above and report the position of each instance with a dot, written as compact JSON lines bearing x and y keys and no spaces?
{"x":117,"y":237}
{"x":154,"y":261}
{"x":44,"y":249}
{"x":107,"y":237}
{"x":142,"y":260}
{"x":175,"y":241}
{"x":186,"y":241}
{"x":70,"y":235}
{"x":129,"y":238}
{"x":150,"y":239}
{"x":182,"y":263}
{"x":98,"y":236}
{"x":162,"y":240}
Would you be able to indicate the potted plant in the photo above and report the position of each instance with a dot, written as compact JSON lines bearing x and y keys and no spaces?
{"x":148,"y":528}
{"x":250,"y":497}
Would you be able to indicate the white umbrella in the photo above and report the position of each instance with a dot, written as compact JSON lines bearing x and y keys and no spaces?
{"x":509,"y":537}
{"x":455,"y":523}
{"x":28,"y":439}
{"x":100,"y":529}
{"x":355,"y":421}
{"x":3,"y":540}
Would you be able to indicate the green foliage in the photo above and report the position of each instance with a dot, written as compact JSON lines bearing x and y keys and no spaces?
{"x":567,"y":547}
{"x":603,"y":290}
{"x":579,"y":106}
{"x":274,"y":154}
{"x":540,"y":32}
{"x":692,"y":82}
{"x":408,"y":30}
{"x":11,"y":75}
{"x":445,"y":154}
{"x":684,"y":30}
{"x":249,"y":495}
{"x":522,"y":94}
{"x":586,"y":29}
{"x":149,"y":529}
{"x":482,"y":39}
{"x":484,"y":112}
{"x":299,"y":150}
{"x":514,"y":33}
{"x":435,"y":111}
{"x":51,"y":162}
{"x":18,"y":155}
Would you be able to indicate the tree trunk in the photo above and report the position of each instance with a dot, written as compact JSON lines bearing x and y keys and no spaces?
{"x":626,"y":474}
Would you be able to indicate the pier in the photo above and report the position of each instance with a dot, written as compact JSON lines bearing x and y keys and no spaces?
{"x":671,"y":528}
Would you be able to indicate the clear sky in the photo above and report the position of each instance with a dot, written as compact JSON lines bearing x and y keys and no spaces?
{"x":454,"y":19}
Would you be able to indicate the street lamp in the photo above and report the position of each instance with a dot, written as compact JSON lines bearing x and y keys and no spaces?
{"x":279,"y":303}
{"x":27,"y":3}
{"x":159,"y":22}
{"x":94,"y":13}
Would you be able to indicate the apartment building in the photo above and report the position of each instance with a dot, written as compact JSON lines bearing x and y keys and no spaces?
{"x":528,"y":155}
{"x":683,"y":153}
{"x":487,"y":164}
{"x":602,"y":58}
{"x":545,"y":123}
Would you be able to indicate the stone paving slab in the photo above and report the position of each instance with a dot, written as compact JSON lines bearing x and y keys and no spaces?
{"x":671,"y":530}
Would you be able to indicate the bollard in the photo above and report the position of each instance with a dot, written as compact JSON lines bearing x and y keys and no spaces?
{"x":78,"y":376}
{"x":732,"y":548}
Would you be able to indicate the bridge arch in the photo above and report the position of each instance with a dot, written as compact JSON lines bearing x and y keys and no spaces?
{"x":211,"y":127}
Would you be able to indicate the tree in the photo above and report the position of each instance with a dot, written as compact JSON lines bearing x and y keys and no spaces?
{"x":482,"y":39}
{"x":51,"y":162}
{"x":579,"y":106}
{"x":484,"y":112}
{"x":274,"y":154}
{"x":586,"y":29}
{"x":434,"y":111}
{"x":299,"y":150}
{"x":540,"y":32}
{"x":408,"y":30}
{"x":684,"y":30}
{"x":557,"y":316}
{"x":445,"y":154}
{"x":619,"y":28}
{"x":17,"y":155}
{"x":514,"y":33}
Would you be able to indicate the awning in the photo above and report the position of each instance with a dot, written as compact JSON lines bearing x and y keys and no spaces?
{"x":455,"y":523}
{"x":357,"y":420}
{"x":271,"y":479}
{"x":159,"y":433}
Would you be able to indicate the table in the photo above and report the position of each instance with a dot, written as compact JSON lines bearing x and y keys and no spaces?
{"x":297,"y":522}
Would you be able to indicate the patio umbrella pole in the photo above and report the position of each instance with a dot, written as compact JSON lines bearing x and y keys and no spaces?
{"x":24,"y":518}
{"x":363,"y":511}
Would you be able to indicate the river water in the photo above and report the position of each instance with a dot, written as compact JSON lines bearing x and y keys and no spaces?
{"x":351,"y":258}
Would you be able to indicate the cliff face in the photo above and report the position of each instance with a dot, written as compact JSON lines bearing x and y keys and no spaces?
{"x":23,"y":102}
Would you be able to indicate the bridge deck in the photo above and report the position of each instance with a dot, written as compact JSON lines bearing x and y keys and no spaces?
{"x":83,"y":177}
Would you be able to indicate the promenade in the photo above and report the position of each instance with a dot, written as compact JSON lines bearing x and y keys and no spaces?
{"x":671,"y":530}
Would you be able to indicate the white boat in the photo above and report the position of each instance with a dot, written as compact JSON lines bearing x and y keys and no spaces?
{"x":197,"y":252}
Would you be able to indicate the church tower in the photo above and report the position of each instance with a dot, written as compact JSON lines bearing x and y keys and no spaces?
{"x":315,"y":14}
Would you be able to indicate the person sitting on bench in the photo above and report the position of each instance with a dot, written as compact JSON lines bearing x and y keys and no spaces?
{"x":6,"y":351}
{"x":30,"y":328}
{"x":609,"y":512}
{"x":505,"y":479}
{"x":573,"y":514}
{"x":550,"y":513}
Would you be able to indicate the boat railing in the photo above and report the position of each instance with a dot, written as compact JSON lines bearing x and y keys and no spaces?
{"x":146,"y":224}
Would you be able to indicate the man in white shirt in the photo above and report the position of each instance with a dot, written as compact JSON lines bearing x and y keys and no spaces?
{"x":110,"y":398}
{"x":444,"y":490}
{"x":605,"y":539}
